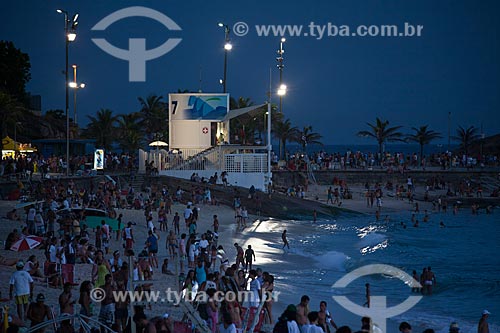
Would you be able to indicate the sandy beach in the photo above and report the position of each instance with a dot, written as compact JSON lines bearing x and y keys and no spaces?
{"x":263,"y":233}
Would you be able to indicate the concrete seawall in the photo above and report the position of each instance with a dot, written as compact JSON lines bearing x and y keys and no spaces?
{"x":360,"y":177}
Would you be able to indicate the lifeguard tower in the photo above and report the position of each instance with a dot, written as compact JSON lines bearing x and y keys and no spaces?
{"x":199,"y":142}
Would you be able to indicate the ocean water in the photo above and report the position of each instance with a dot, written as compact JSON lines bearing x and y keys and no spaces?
{"x":464,"y":256}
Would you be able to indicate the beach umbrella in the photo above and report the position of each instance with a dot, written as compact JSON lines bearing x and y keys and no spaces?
{"x":26,"y":204}
{"x":94,"y":221}
{"x":158,"y":144}
{"x":26,"y":243}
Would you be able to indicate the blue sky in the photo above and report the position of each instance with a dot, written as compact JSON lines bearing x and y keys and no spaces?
{"x":335,"y":84}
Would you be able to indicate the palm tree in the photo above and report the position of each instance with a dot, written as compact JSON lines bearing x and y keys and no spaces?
{"x":11,"y":112}
{"x":307,"y":136}
{"x":102,"y":128}
{"x":129,"y":129}
{"x":466,"y":137}
{"x":382,"y":133}
{"x":423,"y":136}
{"x":154,"y":116}
{"x":284,"y":131}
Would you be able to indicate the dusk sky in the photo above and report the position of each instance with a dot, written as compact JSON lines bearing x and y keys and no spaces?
{"x":336,"y":84}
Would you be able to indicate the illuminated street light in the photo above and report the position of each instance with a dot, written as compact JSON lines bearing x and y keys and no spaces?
{"x":70,"y":36}
{"x":75,"y":86}
{"x":280,"y":66}
{"x":227,"y":47}
{"x":282,"y":90}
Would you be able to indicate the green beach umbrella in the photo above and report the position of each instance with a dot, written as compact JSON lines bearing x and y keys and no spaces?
{"x":94,"y":221}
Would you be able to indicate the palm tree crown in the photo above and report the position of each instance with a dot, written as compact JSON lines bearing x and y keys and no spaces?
{"x":382,"y":133}
{"x":466,"y":136}
{"x":284,"y":131}
{"x":308,"y":137}
{"x":423,"y":136}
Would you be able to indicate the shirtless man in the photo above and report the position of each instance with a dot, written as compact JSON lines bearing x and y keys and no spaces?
{"x":324,"y":317}
{"x":38,"y":312}
{"x":66,"y":306}
{"x":172,"y":244}
{"x":302,"y":310}
{"x":429,"y":280}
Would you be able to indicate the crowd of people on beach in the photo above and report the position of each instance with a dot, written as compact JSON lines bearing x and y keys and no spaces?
{"x":200,"y":262}
{"x":396,"y":161}
{"x":80,"y":165}
{"x":66,"y":240}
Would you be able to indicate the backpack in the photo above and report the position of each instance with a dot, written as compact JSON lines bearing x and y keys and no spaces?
{"x":281,"y":326}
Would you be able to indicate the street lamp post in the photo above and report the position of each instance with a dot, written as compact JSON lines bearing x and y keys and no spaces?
{"x":15,"y":137}
{"x":269,"y":144}
{"x":75,"y":86}
{"x":280,"y":67}
{"x":227,"y":47}
{"x":70,"y":35}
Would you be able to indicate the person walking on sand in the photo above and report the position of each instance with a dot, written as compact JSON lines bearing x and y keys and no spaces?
{"x":285,"y":240}
{"x":249,"y":258}
{"x":21,"y":286}
{"x":483,"y":327}
{"x":239,"y":255}
{"x":329,"y":195}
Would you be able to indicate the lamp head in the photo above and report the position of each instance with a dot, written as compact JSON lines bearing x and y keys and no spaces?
{"x":71,"y":36}
{"x":220,"y":24}
{"x":228,"y":46}
{"x":283,"y":39}
{"x":282,"y":90}
{"x":72,"y":85}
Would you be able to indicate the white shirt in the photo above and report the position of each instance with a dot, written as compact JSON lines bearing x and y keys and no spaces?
{"x":230,"y":329}
{"x":308,"y":328}
{"x":187,"y":213}
{"x":21,"y":281}
{"x":203,"y":243}
{"x":53,"y":253}
{"x":211,"y":284}
{"x":192,"y":249}
{"x":255,"y":288}
{"x":292,"y":327}
{"x":29,"y":266}
{"x":150,"y":225}
{"x":31,"y":214}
